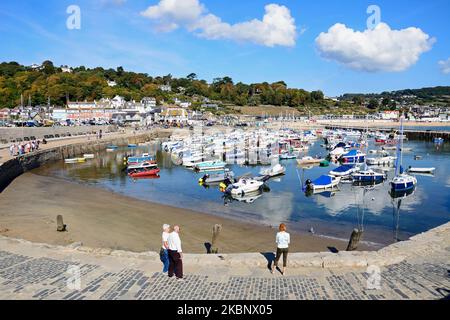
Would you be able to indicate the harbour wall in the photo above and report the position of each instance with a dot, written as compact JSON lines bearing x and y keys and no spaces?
{"x":410,"y":134}
{"x":9,"y":134}
{"x":13,"y":168}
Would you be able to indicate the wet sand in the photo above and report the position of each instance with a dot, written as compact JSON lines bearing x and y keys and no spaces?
{"x":100,"y":218}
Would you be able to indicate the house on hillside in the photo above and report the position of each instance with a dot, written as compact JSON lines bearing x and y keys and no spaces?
{"x":165,"y":88}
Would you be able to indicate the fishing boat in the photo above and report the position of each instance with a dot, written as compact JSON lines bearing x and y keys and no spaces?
{"x":132,"y":146}
{"x":276,"y":170}
{"x":402,"y":181}
{"x":144,"y":173}
{"x":244,"y":186}
{"x":210,"y":166}
{"x":438,"y":140}
{"x":89,"y":156}
{"x":353,"y":156}
{"x":212,"y":178}
{"x":343,"y":171}
{"x":421,"y":170}
{"x":322,"y":183}
{"x":309,"y":160}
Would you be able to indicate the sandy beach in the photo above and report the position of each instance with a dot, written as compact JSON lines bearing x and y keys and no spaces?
{"x":100,"y":218}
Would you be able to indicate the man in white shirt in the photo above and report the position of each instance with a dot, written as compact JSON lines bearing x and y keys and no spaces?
{"x":175,"y":254}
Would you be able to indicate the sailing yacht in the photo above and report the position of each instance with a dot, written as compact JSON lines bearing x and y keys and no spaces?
{"x":402,"y":181}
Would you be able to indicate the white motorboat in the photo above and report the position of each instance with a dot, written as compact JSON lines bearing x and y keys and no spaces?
{"x":88,"y":156}
{"x":244,"y":186}
{"x":381,"y":161}
{"x":274,"y":171}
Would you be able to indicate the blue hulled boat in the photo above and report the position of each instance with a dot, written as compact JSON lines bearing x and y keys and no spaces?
{"x":354,"y":156}
{"x":402,"y":181}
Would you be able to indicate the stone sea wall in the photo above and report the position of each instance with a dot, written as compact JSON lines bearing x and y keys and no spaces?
{"x":12,"y":169}
{"x":435,"y":241}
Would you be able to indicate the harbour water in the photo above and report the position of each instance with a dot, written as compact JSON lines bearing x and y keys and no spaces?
{"x":384,"y":219}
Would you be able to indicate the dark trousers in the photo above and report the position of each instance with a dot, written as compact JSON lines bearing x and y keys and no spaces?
{"x":285,"y":254}
{"x":175,"y":264}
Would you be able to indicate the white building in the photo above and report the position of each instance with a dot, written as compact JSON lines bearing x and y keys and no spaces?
{"x":111,"y":83}
{"x":149,"y":102}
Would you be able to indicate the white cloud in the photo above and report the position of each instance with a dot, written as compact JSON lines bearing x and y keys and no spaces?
{"x":445,"y":66}
{"x":276,"y":28}
{"x":380,"y":49}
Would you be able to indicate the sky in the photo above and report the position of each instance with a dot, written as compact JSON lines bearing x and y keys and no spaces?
{"x":333,"y":46}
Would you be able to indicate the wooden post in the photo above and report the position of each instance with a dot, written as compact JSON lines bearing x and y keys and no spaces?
{"x":216,"y":232}
{"x":354,"y":240}
{"x":61,"y":227}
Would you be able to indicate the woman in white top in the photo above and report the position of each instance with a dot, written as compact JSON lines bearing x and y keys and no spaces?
{"x":283,"y":239}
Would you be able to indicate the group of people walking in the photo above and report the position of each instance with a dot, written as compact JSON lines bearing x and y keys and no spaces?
{"x":171,"y":253}
{"x":20,"y":149}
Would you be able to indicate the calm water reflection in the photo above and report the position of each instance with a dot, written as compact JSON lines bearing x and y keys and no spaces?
{"x":332,"y":214}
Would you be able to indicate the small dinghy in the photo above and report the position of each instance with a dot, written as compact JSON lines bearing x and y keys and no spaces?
{"x":421,"y":170}
{"x":144,"y":173}
{"x":88,"y":156}
{"x":309,"y":160}
{"x":75,"y":160}
{"x":213,"y":178}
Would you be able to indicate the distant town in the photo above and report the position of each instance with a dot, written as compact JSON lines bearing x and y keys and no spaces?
{"x":45,"y":95}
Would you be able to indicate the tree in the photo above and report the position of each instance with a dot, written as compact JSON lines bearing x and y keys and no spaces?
{"x":373,"y":104}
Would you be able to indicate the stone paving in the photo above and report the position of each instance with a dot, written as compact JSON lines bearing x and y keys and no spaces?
{"x":29,"y":271}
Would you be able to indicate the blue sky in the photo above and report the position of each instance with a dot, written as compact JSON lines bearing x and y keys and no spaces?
{"x":115,"y":33}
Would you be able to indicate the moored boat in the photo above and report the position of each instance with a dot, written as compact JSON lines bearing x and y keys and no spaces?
{"x":144,"y":173}
{"x":353,"y":156}
{"x":244,"y":186}
{"x":274,"y":171}
{"x":309,"y":160}
{"x":343,"y":171}
{"x":421,"y":170}
{"x":210,"y":166}
{"x":323,"y":182}
{"x":368,"y":176}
